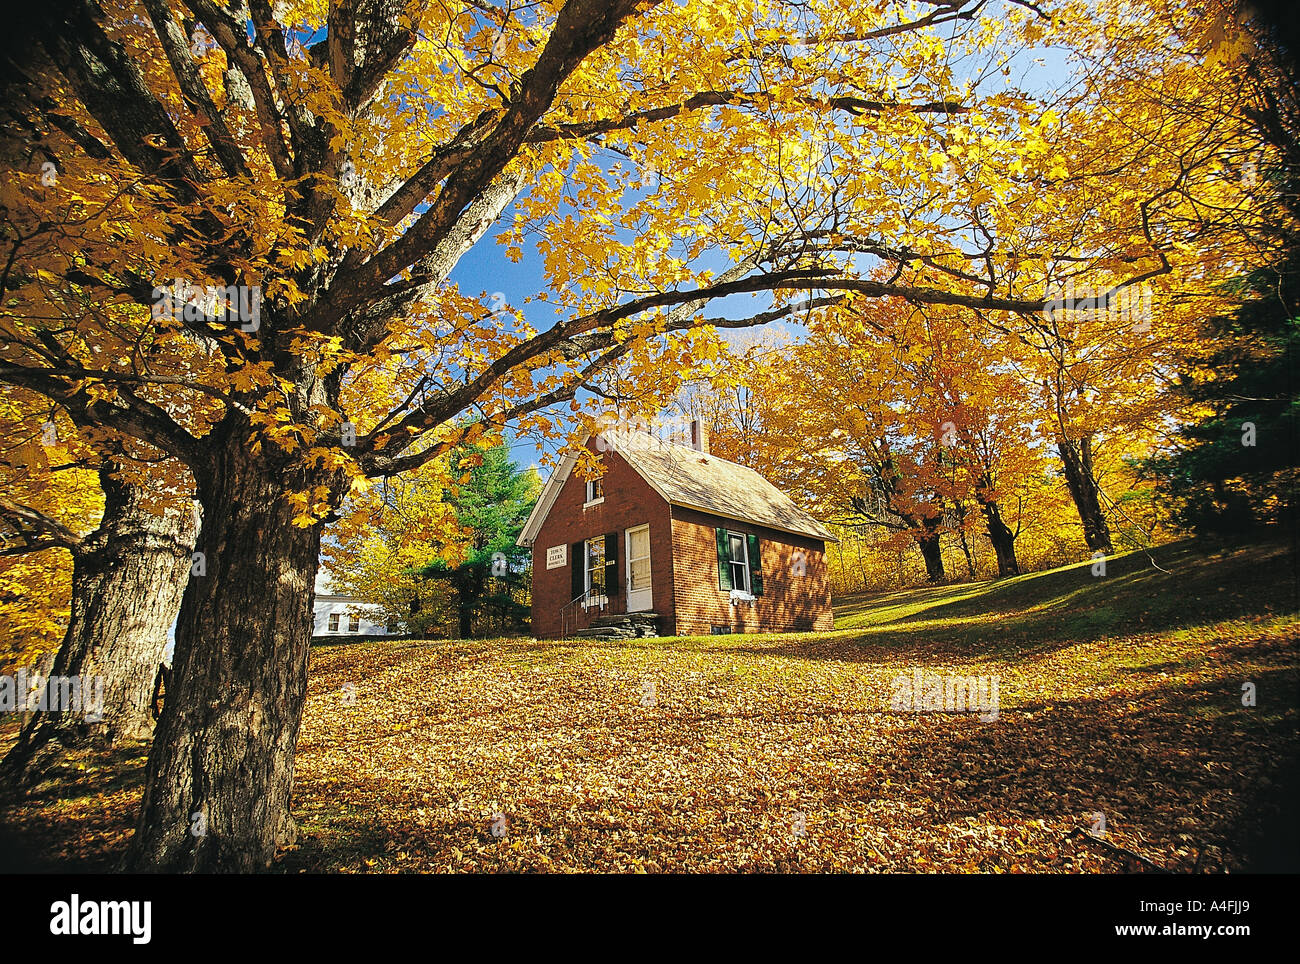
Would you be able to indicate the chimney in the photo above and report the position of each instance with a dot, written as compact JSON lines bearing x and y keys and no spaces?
{"x":699,"y":436}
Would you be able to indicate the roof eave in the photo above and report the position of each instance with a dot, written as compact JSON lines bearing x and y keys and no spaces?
{"x":550,"y":492}
{"x":824,"y":536}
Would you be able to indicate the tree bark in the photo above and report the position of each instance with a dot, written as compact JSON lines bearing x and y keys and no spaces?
{"x":128,"y":577}
{"x":465,"y":622}
{"x":1076,"y":456}
{"x":220,"y":772}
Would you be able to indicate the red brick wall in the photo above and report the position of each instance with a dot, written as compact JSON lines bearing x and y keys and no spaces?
{"x":629,"y":502}
{"x":789,"y":601}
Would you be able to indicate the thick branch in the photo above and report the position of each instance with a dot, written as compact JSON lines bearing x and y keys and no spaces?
{"x":56,"y":534}
{"x":176,"y":47}
{"x":581,"y":27}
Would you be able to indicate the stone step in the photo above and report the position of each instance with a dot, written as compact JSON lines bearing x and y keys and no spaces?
{"x":621,"y":626}
{"x":621,"y":619}
{"x":598,"y":632}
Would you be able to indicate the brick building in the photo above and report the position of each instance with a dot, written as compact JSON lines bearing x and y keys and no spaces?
{"x":673,"y":537}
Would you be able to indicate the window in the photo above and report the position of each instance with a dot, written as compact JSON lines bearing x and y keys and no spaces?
{"x":595,"y":569}
{"x":354,"y":624}
{"x":739,"y":561}
{"x":334,"y":622}
{"x":595,"y":490}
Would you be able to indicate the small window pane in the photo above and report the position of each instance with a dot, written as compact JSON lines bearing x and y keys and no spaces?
{"x":334,"y":622}
{"x":354,"y":624}
{"x":596,"y":566}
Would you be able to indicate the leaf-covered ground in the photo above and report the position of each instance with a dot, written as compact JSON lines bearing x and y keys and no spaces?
{"x":1120,"y":698}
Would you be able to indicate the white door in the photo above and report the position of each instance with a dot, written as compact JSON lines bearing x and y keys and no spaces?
{"x":638,"y":569}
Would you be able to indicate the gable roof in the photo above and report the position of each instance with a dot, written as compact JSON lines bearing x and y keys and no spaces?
{"x":689,"y":478}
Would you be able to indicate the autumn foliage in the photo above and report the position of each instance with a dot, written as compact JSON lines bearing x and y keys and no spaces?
{"x":230,"y":229}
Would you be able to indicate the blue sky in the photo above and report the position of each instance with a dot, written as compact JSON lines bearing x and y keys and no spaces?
{"x":485,"y":269}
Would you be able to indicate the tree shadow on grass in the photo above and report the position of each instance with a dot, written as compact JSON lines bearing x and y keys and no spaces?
{"x":1055,"y":610}
{"x":1188,"y":777}
{"x":78,"y":816}
{"x":1194,"y":585}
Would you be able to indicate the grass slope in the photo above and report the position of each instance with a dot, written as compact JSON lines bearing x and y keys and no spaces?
{"x":1118,"y":695}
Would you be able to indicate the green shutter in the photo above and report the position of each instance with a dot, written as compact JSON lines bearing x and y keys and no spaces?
{"x":724,"y":561}
{"x":576,"y":563}
{"x":755,"y":565}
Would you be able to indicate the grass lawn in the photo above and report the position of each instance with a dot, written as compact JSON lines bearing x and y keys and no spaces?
{"x":1119,"y":696}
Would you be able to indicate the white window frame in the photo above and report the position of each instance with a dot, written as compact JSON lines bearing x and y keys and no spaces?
{"x":333,"y":623}
{"x":594,"y":492}
{"x":354,"y":623}
{"x":732,"y":561}
{"x":587,"y":585}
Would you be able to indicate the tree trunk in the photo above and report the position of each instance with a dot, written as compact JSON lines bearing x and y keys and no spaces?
{"x":465,"y":621}
{"x":1079,"y":479}
{"x":960,"y":509}
{"x":970,"y":558}
{"x":1001,"y":536}
{"x":128,"y":577}
{"x":927,"y":540}
{"x":220,"y":773}
{"x":467,"y":582}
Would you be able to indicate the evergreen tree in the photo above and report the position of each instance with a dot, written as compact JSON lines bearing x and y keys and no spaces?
{"x":491,"y":583}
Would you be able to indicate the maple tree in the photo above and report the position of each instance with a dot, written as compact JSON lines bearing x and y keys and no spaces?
{"x":34,"y":575}
{"x":1173,"y":99}
{"x":385,"y":537}
{"x":891,"y":417}
{"x":234,"y":227}
{"x":114,"y":634}
{"x":1133,"y":241}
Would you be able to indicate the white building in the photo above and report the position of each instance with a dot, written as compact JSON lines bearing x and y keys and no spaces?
{"x":340,"y":615}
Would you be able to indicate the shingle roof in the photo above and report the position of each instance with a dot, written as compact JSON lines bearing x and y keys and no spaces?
{"x":692,"y":479}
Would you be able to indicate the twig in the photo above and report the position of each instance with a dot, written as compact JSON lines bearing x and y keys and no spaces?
{"x":1091,"y":838}
{"x":1145,"y":548}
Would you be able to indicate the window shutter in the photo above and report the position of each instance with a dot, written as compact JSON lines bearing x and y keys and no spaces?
{"x":577,"y":560}
{"x":724,"y":561}
{"x":755,"y":565}
{"x":611,"y":563}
